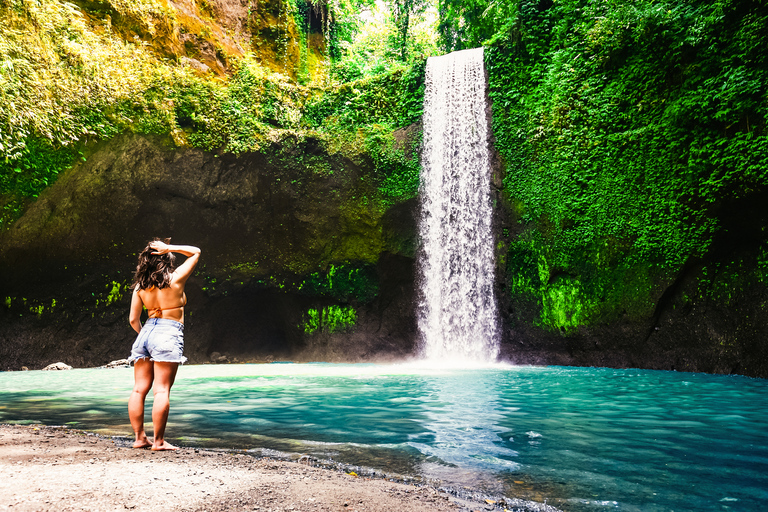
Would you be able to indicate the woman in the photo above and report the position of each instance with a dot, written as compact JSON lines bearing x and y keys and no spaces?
{"x":158,"y":350}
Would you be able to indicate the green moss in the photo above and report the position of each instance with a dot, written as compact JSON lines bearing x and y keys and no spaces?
{"x":397,"y":168}
{"x":248,"y":268}
{"x":329,"y":319}
{"x":564,"y":299}
{"x":762,"y":264}
{"x":564,"y":305}
{"x":617,"y":184}
{"x":394,"y":98}
{"x":343,"y":282}
{"x":116,"y":292}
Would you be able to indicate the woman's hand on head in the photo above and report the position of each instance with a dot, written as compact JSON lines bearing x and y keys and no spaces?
{"x":160,"y":247}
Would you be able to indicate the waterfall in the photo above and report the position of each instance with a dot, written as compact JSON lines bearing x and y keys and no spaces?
{"x":457,"y":306}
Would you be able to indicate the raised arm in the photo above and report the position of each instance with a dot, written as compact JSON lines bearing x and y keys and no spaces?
{"x":190,"y":251}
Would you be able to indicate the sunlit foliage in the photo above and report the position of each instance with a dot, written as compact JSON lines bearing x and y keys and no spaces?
{"x":62,"y":83}
{"x":384,"y":41}
{"x":629,"y":131}
{"x":472,"y":23}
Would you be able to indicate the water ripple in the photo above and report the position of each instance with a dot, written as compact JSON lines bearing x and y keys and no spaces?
{"x":585,"y":439}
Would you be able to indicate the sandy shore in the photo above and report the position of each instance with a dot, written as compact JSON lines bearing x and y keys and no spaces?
{"x":51,"y":468}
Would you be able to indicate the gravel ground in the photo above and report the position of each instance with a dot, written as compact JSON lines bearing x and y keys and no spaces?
{"x":52,"y":468}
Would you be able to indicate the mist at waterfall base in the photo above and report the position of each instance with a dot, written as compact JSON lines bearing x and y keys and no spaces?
{"x":581,"y":438}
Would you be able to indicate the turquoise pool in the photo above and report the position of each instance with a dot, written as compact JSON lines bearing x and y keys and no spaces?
{"x":581,"y":438}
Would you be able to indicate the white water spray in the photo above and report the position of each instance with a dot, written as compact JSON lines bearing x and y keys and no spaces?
{"x":457,"y":309}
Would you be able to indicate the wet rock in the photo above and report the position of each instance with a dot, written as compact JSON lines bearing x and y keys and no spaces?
{"x":119,"y":363}
{"x":218,"y":358}
{"x":57,"y":366}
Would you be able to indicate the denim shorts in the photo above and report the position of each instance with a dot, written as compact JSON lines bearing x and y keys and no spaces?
{"x":160,"y":340}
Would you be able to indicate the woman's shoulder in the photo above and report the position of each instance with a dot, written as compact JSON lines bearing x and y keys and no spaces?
{"x":146,"y":291}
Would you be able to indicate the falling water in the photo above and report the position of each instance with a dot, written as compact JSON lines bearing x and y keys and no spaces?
{"x":457,"y":309}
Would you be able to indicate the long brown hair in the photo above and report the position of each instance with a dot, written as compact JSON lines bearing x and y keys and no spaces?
{"x":154,"y":269}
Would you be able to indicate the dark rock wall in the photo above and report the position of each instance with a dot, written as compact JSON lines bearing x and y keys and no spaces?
{"x":286,"y":233}
{"x":710,"y":316}
{"x":303,"y":260}
{"x":633,"y":227}
{"x":720,"y":328}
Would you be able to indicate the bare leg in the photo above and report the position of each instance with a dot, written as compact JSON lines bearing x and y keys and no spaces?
{"x":143,"y":373}
{"x":165,"y":374}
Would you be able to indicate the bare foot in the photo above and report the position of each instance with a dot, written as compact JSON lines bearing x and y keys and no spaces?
{"x":163,"y":446}
{"x":143,"y":442}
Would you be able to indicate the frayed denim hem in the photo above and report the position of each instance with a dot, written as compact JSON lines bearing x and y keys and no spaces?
{"x":132,"y":362}
{"x":181,"y":361}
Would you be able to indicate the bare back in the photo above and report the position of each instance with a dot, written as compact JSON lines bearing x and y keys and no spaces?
{"x":165,"y":302}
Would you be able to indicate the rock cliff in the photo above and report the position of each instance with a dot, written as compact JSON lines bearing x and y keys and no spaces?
{"x":300,"y":259}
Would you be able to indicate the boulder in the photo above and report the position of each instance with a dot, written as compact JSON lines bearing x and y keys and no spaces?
{"x":57,"y":366}
{"x":119,"y":363}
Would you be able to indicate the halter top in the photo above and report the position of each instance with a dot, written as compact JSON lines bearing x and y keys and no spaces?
{"x":158,"y":312}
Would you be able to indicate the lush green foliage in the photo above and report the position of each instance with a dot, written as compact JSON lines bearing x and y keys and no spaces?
{"x":345,"y":282}
{"x":626,"y":129}
{"x":81,"y":82}
{"x":393,"y":99}
{"x":56,"y":91}
{"x":86,"y":83}
{"x":238,"y":116}
{"x":401,"y":33}
{"x":369,"y":110}
{"x":472,"y":23}
{"x":329,"y":319}
{"x":341,"y":21}
{"x":402,"y":12}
